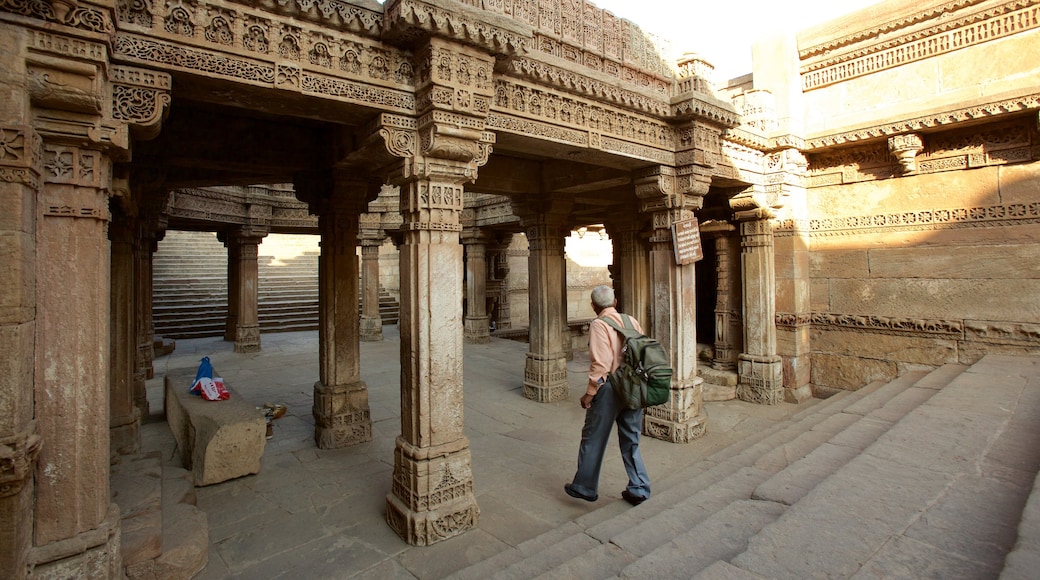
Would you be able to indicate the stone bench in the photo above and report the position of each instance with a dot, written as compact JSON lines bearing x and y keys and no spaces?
{"x":218,"y":440}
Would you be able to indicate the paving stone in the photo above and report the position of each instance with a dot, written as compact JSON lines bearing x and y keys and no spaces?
{"x":877,"y":398}
{"x":603,"y":561}
{"x":977,"y":517}
{"x":861,"y":434}
{"x":722,"y":570}
{"x":721,"y":536}
{"x":791,"y":484}
{"x":903,"y":558}
{"x":898,"y":406}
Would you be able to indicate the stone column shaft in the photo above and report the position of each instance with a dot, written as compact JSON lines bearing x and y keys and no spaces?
{"x":144,"y":251}
{"x":233,"y":287}
{"x":341,"y":412}
{"x":244,"y":275}
{"x":371,"y":320}
{"x":728,"y":321}
{"x":19,"y":441}
{"x":673,"y":305}
{"x":760,"y":368}
{"x":545,"y":373}
{"x":633,"y":280}
{"x":124,"y":422}
{"x":476,"y":322}
{"x":73,"y":517}
{"x":432,"y":496}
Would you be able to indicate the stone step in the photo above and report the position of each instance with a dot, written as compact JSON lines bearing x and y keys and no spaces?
{"x":163,"y":534}
{"x":939,"y":494}
{"x":683,"y":500}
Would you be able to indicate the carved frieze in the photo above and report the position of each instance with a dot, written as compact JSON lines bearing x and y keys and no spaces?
{"x":82,"y":15}
{"x":938,"y":119}
{"x":562,"y":113}
{"x":973,"y":330}
{"x":958,"y":29}
{"x":993,"y":144}
{"x":17,"y":458}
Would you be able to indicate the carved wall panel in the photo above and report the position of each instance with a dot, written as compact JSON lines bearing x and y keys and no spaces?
{"x":947,"y":34}
{"x":993,"y":144}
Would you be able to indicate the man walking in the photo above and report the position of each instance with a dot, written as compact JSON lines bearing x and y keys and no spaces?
{"x":604,"y":408}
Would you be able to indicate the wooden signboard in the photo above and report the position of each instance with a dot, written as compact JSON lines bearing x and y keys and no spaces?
{"x":686,"y":240}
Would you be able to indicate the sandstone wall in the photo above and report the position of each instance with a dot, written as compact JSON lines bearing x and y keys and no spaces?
{"x":939,"y":268}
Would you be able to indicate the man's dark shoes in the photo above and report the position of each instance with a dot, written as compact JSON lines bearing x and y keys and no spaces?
{"x":577,"y":494}
{"x":631,"y":497}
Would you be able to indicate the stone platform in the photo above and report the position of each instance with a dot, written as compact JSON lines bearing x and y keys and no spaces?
{"x":217,"y":440}
{"x":719,"y":504}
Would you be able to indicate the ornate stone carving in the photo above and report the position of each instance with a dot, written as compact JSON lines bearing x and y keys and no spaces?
{"x":956,"y":30}
{"x":872,"y":323}
{"x":139,"y":98}
{"x":64,"y":12}
{"x":1029,"y":102}
{"x":17,"y":457}
{"x":905,"y":149}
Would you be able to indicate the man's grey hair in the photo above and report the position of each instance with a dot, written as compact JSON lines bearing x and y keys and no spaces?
{"x":603,"y":296}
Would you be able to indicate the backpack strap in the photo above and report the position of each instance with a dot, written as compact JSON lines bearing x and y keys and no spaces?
{"x":628,"y":331}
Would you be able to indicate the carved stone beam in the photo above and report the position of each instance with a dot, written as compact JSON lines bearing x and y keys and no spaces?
{"x":663,"y":189}
{"x":411,"y":20}
{"x":905,"y":149}
{"x":140,"y":98}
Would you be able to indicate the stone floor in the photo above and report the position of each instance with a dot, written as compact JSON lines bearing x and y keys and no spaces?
{"x":313,"y":513}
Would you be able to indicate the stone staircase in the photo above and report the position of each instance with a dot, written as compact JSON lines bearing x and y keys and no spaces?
{"x":163,"y":534}
{"x":923,"y":476}
{"x":189,"y":297}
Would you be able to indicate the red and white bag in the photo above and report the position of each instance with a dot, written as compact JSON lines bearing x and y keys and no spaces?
{"x":211,"y":389}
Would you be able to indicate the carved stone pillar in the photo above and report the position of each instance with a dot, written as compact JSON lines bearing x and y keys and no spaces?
{"x":243,"y":245}
{"x":476,"y":319}
{"x":503,"y":310}
{"x":432,"y":495}
{"x":144,"y":251}
{"x":74,"y":112}
{"x":440,"y":149}
{"x":73,"y":518}
{"x":545,"y":372}
{"x":759,"y":367}
{"x":124,"y":416}
{"x":371,"y":320}
{"x":341,"y":412}
{"x":631,"y":268}
{"x":233,"y":288}
{"x":19,"y":441}
{"x":673,"y":306}
{"x":728,"y":320}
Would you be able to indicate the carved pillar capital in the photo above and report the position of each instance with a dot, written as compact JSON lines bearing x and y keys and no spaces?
{"x":664,"y":189}
{"x":18,"y":455}
{"x":905,"y":149}
{"x":140,"y":98}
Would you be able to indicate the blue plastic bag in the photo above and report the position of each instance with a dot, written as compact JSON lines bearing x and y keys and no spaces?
{"x":205,"y":371}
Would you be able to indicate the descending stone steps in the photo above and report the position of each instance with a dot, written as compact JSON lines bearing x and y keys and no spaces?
{"x":163,"y":534}
{"x":793,"y":502}
{"x":190,"y":289}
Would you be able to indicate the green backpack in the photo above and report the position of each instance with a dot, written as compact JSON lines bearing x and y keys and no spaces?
{"x":644,"y":378}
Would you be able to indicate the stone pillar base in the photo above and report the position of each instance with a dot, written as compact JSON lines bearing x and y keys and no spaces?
{"x":432,"y":495}
{"x":92,"y":554}
{"x":798,"y":395}
{"x":477,"y":330}
{"x":545,"y":380}
{"x":682,"y":419}
{"x":247,"y":339}
{"x":761,"y":379}
{"x":341,"y":415}
{"x":125,"y":434}
{"x":719,"y":385}
{"x":371,"y":329}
